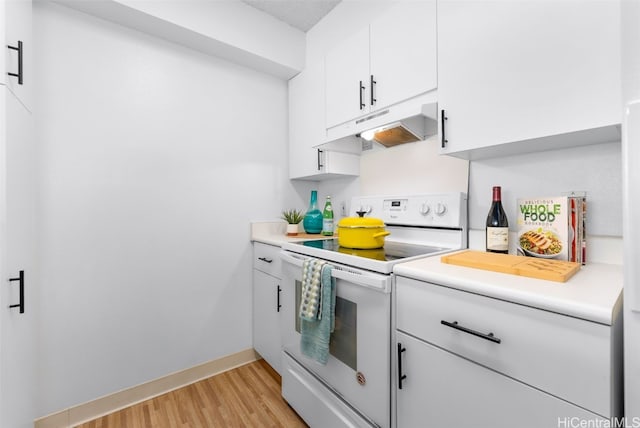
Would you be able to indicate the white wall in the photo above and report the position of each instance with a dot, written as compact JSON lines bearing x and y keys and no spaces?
{"x":594,"y":169}
{"x":406,"y":169}
{"x":227,"y":29}
{"x":153,"y":160}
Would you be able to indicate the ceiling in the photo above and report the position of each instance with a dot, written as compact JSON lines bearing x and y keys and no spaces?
{"x":301,"y":14}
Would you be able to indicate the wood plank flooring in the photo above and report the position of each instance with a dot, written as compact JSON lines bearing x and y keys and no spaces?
{"x":247,"y":396}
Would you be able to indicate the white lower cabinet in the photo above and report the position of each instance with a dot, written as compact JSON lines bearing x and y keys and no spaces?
{"x":442,"y":389}
{"x":267,"y":304}
{"x":468,"y":360}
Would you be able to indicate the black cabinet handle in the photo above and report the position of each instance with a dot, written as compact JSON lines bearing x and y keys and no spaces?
{"x":20,"y":51}
{"x":320,"y":160}
{"x":401,"y":376}
{"x":490,"y":337}
{"x":361,"y":90}
{"x":373,"y":83}
{"x":266,"y":260}
{"x":279,"y":305}
{"x":21,"y":304}
{"x":443,"y":118}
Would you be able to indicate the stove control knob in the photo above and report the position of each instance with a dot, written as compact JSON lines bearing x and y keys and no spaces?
{"x":441,"y":209}
{"x":424,"y":209}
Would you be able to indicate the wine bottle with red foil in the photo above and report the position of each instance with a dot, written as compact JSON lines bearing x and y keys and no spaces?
{"x":497,"y":225}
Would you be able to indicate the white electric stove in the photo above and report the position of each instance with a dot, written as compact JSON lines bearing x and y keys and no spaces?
{"x":353,"y":388}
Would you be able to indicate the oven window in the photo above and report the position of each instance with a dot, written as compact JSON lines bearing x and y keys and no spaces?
{"x":343,"y":343}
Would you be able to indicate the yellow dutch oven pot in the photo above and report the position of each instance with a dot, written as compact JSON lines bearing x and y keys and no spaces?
{"x":361,"y":232}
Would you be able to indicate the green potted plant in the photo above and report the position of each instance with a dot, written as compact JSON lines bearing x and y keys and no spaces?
{"x":293,"y":217}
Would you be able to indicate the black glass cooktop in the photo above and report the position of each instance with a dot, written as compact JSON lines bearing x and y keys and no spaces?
{"x":390,"y":251}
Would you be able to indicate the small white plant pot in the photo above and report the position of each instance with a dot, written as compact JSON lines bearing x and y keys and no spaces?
{"x":292,"y":229}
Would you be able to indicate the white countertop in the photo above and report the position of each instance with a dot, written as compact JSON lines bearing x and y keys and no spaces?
{"x":594,"y":293}
{"x":274,"y":233}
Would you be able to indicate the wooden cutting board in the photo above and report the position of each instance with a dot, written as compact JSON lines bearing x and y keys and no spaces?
{"x":552,"y":270}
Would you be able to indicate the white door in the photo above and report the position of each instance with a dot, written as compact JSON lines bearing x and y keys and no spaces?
{"x":403,"y":53}
{"x":631,"y":206}
{"x":17,"y":31}
{"x":440,"y":389}
{"x":306,"y":121}
{"x":17,"y":211}
{"x":517,"y":70}
{"x":347,"y":79}
{"x":266,"y":318}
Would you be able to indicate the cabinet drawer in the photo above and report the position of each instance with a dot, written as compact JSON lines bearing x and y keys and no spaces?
{"x":564,"y":356}
{"x":471,"y":396}
{"x":266,"y":258}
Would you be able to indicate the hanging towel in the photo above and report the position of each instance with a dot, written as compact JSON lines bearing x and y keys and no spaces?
{"x":310,"y":299}
{"x":316,"y":332}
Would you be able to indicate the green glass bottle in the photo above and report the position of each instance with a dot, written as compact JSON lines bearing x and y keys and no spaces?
{"x":327,"y":218}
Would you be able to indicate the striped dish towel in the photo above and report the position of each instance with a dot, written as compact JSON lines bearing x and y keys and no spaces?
{"x":315,"y":334}
{"x":311,"y":301}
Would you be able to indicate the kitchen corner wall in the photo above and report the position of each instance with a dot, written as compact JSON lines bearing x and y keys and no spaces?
{"x":406,"y":169}
{"x":594,"y":169}
{"x":153,"y":160}
{"x":418,"y":168}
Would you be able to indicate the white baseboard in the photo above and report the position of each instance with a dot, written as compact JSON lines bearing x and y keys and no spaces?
{"x":90,"y":410}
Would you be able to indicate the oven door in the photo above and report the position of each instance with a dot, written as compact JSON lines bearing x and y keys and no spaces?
{"x":358,"y":369}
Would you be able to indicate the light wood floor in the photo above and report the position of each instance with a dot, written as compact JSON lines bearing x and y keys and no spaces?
{"x":248,"y":396}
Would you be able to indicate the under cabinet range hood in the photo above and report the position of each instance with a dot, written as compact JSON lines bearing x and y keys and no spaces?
{"x":404,"y":131}
{"x":410,"y":121}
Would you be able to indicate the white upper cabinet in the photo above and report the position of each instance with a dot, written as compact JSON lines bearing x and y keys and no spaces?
{"x":403,"y":53}
{"x":388,"y":61}
{"x":347,"y":79}
{"x":305,"y":121}
{"x":15,"y":18}
{"x":539,"y":74}
{"x":306,"y":130}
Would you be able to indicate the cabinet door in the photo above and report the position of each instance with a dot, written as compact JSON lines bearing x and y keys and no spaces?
{"x":17,"y":23}
{"x":306,"y":121}
{"x":17,"y":238}
{"x":442,"y":389}
{"x":403,"y":53}
{"x":347,"y":79}
{"x":307,"y":129}
{"x":266,"y":317}
{"x":518,"y":70}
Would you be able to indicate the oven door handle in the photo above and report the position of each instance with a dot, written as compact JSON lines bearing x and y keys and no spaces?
{"x":379,"y":283}
{"x":374,"y":281}
{"x":292,"y":259}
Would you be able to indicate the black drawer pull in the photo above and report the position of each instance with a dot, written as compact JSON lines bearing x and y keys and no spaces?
{"x":19,"y":74}
{"x":443,"y":118}
{"x":372,"y":84}
{"x":455,"y":325}
{"x":278,"y":306}
{"x":266,"y":260}
{"x":20,"y":305}
{"x":401,"y":376}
